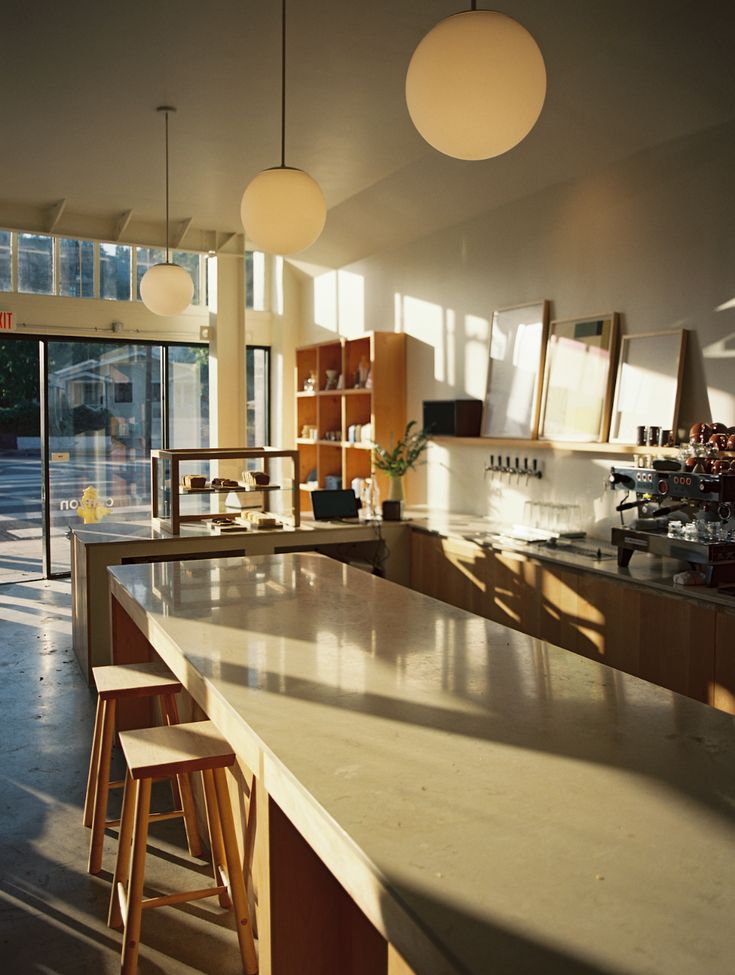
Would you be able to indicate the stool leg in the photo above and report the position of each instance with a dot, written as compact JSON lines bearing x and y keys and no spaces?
{"x":103,"y":787}
{"x":122,"y":864}
{"x":171,"y":716}
{"x":234,"y":872}
{"x":94,"y":765}
{"x":215,"y":833}
{"x":131,"y":931}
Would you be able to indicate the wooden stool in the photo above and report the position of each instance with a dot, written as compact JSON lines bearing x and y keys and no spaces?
{"x":156,"y":753}
{"x":113,"y":684}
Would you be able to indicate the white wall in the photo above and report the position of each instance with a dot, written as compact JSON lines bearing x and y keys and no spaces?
{"x":652,"y":237}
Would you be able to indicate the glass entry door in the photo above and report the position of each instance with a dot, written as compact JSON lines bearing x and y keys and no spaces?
{"x":104,"y":418}
{"x":21,"y":539}
{"x":101,"y":407}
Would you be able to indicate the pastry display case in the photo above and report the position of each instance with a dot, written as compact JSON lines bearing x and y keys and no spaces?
{"x":180,"y":474}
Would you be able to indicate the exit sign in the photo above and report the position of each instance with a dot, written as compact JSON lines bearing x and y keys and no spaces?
{"x":6,"y":321}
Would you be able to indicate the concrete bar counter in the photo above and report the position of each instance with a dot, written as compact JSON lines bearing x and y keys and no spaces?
{"x":436,"y":793}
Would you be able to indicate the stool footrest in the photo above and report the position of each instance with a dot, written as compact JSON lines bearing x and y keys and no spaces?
{"x":118,"y":784}
{"x":155,"y":817}
{"x":182,"y":897}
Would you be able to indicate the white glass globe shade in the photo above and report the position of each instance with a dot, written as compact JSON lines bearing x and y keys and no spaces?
{"x":476,"y":84}
{"x":166,"y":289}
{"x":283,"y":210}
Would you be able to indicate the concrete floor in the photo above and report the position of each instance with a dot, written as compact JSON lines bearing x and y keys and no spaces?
{"x":52,"y":912}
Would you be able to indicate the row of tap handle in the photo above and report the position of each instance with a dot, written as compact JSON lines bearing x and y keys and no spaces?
{"x":497,"y":466}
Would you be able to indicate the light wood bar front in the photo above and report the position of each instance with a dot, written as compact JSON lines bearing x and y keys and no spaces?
{"x":436,"y":793}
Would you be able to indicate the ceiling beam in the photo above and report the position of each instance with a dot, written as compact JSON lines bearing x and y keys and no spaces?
{"x":183,"y":230}
{"x":224,"y":241}
{"x":121,"y":224}
{"x":53,"y":215}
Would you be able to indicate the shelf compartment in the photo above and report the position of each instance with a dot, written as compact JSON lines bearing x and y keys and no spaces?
{"x":330,"y":417}
{"x":330,"y":357}
{"x":306,"y":364}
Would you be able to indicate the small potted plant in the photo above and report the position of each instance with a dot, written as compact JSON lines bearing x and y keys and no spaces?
{"x":401,"y":458}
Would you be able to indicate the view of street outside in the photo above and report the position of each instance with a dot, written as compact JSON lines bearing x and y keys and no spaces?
{"x":104,"y":418}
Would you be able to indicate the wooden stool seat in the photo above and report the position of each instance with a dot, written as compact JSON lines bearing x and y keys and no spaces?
{"x":160,"y":753}
{"x":124,"y":682}
{"x":155,"y":753}
{"x":134,"y":680}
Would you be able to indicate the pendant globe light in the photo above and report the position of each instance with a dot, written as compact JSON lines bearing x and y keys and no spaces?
{"x":476,"y":84}
{"x":283,"y":209}
{"x":167,"y":289}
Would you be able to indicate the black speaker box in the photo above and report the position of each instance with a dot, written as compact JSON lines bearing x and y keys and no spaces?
{"x":453,"y":417}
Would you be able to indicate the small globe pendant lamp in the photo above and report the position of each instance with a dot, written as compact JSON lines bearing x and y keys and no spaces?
{"x":167,"y":289}
{"x":283,"y":209}
{"x":476,"y":84}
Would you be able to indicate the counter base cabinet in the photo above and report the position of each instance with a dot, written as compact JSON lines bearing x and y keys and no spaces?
{"x":450,"y":570}
{"x":723,"y":692}
{"x":671,"y":641}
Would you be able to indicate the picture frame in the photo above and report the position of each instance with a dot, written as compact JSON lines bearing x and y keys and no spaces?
{"x":649,"y":383}
{"x":518,"y":335}
{"x":579,"y":372}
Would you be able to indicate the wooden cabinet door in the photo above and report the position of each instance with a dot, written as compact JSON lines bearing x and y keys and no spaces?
{"x":677,"y":644}
{"x":448,"y":569}
{"x":511,"y":588}
{"x":558,"y":590}
{"x":608,"y":622}
{"x":723,"y":685}
{"x":425,"y":562}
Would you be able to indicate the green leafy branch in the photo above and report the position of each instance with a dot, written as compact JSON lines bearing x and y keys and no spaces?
{"x":405,"y":454}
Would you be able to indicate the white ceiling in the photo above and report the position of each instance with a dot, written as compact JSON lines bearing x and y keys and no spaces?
{"x":82,"y":80}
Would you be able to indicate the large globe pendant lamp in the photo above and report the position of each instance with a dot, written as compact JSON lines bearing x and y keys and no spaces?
{"x":167,"y":289}
{"x":476,"y":84}
{"x":283,"y":209}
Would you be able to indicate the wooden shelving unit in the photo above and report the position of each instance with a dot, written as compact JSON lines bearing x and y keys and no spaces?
{"x":382,"y":404}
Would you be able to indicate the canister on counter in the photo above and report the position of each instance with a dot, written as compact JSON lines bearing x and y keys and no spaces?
{"x":641,"y":436}
{"x":653,"y":435}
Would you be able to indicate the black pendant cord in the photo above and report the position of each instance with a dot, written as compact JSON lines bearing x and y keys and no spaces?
{"x":283,"y":84}
{"x":168,"y":256}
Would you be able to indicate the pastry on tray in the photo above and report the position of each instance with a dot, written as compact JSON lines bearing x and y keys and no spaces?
{"x":224,"y":482}
{"x":194,"y":481}
{"x":255,"y":478}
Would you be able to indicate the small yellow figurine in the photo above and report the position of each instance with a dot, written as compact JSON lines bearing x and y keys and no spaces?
{"x":91,"y":509}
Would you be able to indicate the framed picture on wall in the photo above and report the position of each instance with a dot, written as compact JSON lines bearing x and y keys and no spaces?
{"x":514,"y":371}
{"x":648,"y":387}
{"x":578,"y":379}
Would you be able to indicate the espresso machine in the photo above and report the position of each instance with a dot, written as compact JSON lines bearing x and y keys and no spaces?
{"x":683,"y":513}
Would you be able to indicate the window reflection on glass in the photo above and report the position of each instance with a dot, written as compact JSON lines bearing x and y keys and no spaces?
{"x":6,"y":260}
{"x":257,"y":373}
{"x":115,"y":268}
{"x":76,"y":268}
{"x":188,"y":409}
{"x":190,"y":262}
{"x":278,"y":284}
{"x":105,"y":416}
{"x":146,"y":257}
{"x":21,"y":551}
{"x":36,"y":264}
{"x":255,"y":280}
